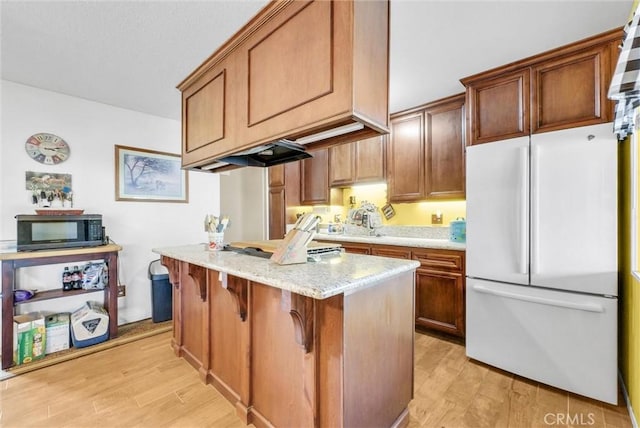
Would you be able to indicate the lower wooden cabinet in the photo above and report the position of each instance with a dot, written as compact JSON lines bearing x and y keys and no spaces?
{"x":394,"y":252}
{"x":440,"y":284}
{"x":440,"y":301}
{"x":356,"y":248}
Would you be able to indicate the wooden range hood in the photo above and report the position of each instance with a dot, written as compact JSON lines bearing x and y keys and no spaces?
{"x":312,"y":73}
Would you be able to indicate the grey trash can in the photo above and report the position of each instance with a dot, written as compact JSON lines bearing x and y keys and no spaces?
{"x":161,"y":300}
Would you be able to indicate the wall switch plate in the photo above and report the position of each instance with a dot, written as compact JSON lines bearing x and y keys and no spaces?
{"x":436,"y":218}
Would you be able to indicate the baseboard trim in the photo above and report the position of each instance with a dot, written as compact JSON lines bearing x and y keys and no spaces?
{"x":632,"y":416}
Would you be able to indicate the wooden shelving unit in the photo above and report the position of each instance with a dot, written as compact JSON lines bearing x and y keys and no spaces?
{"x":12,"y":261}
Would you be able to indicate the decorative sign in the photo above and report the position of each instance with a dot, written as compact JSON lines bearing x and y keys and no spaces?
{"x":47,"y":189}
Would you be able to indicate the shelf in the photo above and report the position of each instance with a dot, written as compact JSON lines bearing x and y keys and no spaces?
{"x":55,"y":294}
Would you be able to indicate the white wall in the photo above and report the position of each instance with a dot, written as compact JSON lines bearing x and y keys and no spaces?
{"x":243,"y":196}
{"x":92,"y":130}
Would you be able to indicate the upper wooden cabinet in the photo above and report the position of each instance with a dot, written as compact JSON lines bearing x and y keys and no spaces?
{"x":296,"y":69}
{"x":370,"y":159}
{"x":359,"y":162}
{"x":405,"y":158}
{"x":207,"y":112}
{"x":425,"y":154}
{"x":571,"y":91}
{"x":342,"y":165}
{"x":284,"y":191}
{"x":444,"y":149}
{"x":498,"y":108}
{"x":314,"y":178}
{"x":562,"y":88}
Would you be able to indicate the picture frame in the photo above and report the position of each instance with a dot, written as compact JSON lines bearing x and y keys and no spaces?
{"x":144,"y":175}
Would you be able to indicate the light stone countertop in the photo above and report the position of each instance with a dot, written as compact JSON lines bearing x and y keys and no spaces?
{"x":443,"y":244}
{"x":332,"y":275}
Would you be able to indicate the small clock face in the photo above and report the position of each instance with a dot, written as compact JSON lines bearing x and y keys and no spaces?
{"x":46,"y":148}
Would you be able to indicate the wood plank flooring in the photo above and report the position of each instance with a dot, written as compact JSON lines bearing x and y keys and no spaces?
{"x":142,"y":384}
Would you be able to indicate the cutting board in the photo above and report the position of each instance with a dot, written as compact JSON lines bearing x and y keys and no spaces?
{"x":271,"y":245}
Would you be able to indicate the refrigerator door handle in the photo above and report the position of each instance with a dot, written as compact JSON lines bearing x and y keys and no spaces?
{"x":524,"y":210}
{"x":535,"y":205}
{"x":589,"y":307}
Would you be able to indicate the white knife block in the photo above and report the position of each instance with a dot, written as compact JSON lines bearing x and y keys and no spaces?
{"x":293,"y":248}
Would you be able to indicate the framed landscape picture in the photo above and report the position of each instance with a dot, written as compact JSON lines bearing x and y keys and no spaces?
{"x":149,"y":176}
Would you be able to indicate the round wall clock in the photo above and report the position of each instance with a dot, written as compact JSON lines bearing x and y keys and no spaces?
{"x":46,"y":148}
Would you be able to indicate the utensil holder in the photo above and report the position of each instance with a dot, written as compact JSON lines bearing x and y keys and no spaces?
{"x":216,"y":241}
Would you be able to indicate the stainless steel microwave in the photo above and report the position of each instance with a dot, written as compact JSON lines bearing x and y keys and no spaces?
{"x":45,"y":232}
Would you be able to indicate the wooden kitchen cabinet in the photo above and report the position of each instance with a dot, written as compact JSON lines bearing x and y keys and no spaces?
{"x":277,"y":212}
{"x":439,"y":285}
{"x":351,"y":247}
{"x":440,"y":293}
{"x":314,"y":178}
{"x":405,"y":158}
{"x":391,"y":251}
{"x":370,"y":159}
{"x":571,"y":91}
{"x":296,"y":69}
{"x":342,"y":165}
{"x":314,"y":181}
{"x":425,"y":154}
{"x":358,"y":162}
{"x":558,"y":89}
{"x":208,"y":113}
{"x":444,"y":149}
{"x":498,"y":107}
{"x":284,"y":191}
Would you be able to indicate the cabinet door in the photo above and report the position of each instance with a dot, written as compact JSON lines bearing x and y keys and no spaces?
{"x":277,"y":212}
{"x":307,"y":64}
{"x":444,"y":150}
{"x":207,"y":120}
{"x":276,"y":175}
{"x":440,"y":301}
{"x":342,"y":165}
{"x":571,"y":91}
{"x":314,"y":180}
{"x":405,"y":158}
{"x":292,"y":183}
{"x":498,"y":108}
{"x":370,"y":161}
{"x":394,"y":252}
{"x":351,"y":247}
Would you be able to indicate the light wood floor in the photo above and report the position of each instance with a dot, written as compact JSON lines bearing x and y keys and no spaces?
{"x":142,"y":384}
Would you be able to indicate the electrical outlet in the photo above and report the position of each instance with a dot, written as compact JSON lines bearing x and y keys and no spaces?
{"x":122,"y":290}
{"x":436,"y":218}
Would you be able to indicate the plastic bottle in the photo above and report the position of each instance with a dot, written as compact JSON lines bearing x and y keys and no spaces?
{"x":76,"y":278}
{"x":67,"y":283}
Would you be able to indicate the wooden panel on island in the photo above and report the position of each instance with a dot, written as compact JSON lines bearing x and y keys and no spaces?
{"x":284,"y":359}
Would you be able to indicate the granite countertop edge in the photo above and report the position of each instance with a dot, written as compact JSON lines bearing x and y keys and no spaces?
{"x":318,"y":280}
{"x":443,"y":244}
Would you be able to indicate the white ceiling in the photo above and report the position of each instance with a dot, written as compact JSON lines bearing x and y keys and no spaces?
{"x":132,"y":54}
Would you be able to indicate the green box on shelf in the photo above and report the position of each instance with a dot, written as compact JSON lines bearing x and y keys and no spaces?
{"x":29,"y":337}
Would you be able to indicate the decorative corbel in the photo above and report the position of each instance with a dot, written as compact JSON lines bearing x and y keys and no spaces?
{"x":301,"y":310}
{"x":199,"y":275}
{"x":237,"y":288}
{"x":174,"y":270}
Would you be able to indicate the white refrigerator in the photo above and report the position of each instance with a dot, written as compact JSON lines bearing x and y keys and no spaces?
{"x":542,"y":266}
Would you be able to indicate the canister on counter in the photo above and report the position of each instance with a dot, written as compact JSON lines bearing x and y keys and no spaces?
{"x":458,"y":230}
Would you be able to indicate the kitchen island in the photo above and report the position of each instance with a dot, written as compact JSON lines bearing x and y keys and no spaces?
{"x":326,"y":343}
